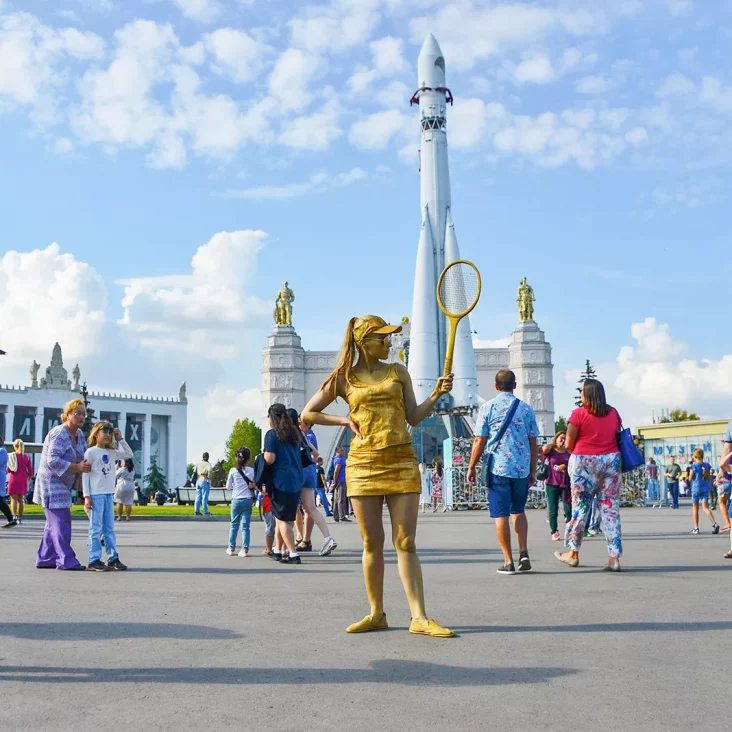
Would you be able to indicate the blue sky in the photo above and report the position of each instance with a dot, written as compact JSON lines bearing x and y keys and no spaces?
{"x":590,"y":151}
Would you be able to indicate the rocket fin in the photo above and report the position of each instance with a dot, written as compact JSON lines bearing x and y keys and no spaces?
{"x":424,"y":367}
{"x":465,"y":385}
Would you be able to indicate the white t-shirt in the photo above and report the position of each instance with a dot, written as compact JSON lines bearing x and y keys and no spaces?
{"x":238,"y":486}
{"x":102,"y":477}
{"x":204,"y":472}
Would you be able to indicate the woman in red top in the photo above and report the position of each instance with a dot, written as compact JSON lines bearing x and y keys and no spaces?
{"x":594,"y":469}
{"x":20,"y":471}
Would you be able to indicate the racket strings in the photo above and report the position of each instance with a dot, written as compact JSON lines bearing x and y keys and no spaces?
{"x":459,"y":288}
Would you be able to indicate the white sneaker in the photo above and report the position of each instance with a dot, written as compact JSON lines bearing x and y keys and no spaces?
{"x":231,"y":552}
{"x":328,"y":546}
{"x":244,"y":553}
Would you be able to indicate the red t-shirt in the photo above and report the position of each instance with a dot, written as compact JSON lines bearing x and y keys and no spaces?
{"x":596,"y":435}
{"x":266,"y":504}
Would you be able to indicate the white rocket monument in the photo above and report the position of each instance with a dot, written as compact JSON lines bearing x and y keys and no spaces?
{"x":437,"y":245}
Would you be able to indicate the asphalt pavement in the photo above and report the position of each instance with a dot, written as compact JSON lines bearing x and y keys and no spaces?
{"x":192,"y":639}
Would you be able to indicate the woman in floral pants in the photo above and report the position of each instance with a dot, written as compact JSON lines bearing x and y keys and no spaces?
{"x":594,"y":469}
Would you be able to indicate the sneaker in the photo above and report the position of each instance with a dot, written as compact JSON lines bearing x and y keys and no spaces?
{"x":346,"y":519}
{"x":231,"y":551}
{"x":556,"y":537}
{"x":98,"y":566}
{"x":277,"y":556}
{"x":593,"y":532}
{"x":291,"y":560}
{"x":10,"y":524}
{"x":304,"y":546}
{"x":695,"y":531}
{"x":715,"y":529}
{"x":244,"y":553}
{"x":116,"y":564}
{"x":328,"y":547}
{"x":507,"y":569}
{"x":524,"y":562}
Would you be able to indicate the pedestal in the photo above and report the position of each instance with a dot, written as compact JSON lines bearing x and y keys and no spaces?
{"x":530,"y":358}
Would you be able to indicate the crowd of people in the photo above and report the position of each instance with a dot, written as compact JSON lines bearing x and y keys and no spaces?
{"x":582,"y":465}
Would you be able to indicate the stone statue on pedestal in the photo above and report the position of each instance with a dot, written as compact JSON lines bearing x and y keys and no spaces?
{"x":182,"y":393}
{"x":76,"y":373}
{"x":283,"y":306}
{"x":525,"y":299}
{"x":34,"y":369}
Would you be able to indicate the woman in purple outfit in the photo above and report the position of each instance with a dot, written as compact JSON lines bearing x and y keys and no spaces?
{"x":62,"y":460}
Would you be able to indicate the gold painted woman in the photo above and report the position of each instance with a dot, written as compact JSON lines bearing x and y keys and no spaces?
{"x":381,"y":462}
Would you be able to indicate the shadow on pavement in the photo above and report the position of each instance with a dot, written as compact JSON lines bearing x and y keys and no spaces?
{"x":412,"y":673}
{"x":111,"y":631}
{"x":598,"y":628}
{"x":272,"y":568}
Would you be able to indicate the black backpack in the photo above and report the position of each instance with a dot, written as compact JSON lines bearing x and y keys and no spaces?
{"x":263,"y":472}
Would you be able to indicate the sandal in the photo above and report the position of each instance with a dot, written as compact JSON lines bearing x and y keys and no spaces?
{"x":566,"y":560}
{"x":728,"y":555}
{"x":304,"y":546}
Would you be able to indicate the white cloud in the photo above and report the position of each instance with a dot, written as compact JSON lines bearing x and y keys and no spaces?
{"x":335,"y":28}
{"x":314,"y":131}
{"x":591,"y":85}
{"x":693,"y":194}
{"x":49,"y":296}
{"x":235,"y":53}
{"x":679,"y":7}
{"x":535,"y":69}
{"x":387,"y":55}
{"x":291,"y":76}
{"x":468,"y":121}
{"x":63,"y":146}
{"x":203,"y":11}
{"x":676,"y":85}
{"x":394,"y":94}
{"x":655,"y":373}
{"x":636,"y":136}
{"x":202,"y":312}
{"x":716,"y":94}
{"x":496,"y":343}
{"x":376,"y":131}
{"x":318,"y":183}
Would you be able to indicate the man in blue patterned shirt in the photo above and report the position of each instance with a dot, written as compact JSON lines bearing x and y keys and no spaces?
{"x":513,"y":468}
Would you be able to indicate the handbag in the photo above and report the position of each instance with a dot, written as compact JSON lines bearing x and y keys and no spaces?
{"x":542,"y":472}
{"x":630,"y":456}
{"x":487,"y":469}
{"x":306,"y":457}
{"x":263,"y":472}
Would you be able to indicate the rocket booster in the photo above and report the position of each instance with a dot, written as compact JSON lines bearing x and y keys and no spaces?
{"x":437,"y":244}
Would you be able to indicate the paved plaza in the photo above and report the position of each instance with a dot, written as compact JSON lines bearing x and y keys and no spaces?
{"x":191,"y":639}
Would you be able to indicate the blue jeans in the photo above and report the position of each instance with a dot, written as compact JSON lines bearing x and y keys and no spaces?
{"x":323,"y":499}
{"x":202,"y":491}
{"x":653,"y":489}
{"x":101,"y":522}
{"x":241,"y":514}
{"x":673,"y":489}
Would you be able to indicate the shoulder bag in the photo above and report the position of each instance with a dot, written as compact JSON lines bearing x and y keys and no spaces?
{"x":630,"y":456}
{"x":263,"y":472}
{"x":542,"y":472}
{"x":306,"y":457}
{"x":488,"y":467}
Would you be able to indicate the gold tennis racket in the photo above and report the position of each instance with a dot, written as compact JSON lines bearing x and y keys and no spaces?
{"x":458,"y":292}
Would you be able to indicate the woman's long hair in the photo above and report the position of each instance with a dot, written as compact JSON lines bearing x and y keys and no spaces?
{"x":242,"y":457}
{"x":19,"y":447}
{"x":346,"y":361}
{"x":594,"y":398}
{"x":92,"y":441}
{"x":438,"y":468}
{"x":130,"y":465}
{"x":553,"y":444}
{"x":699,"y":455}
{"x":286,"y":431}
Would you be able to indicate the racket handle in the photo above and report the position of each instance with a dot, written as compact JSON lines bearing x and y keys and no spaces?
{"x":450,"y":346}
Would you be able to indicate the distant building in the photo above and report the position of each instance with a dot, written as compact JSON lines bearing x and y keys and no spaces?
{"x":154,"y":427}
{"x":680,"y":439}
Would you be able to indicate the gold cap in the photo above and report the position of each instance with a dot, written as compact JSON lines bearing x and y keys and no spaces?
{"x":368,"y":325}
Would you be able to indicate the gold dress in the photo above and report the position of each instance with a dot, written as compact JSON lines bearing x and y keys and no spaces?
{"x":382,"y":462}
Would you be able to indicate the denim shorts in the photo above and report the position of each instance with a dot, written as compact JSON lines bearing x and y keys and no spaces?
{"x":269,"y":524}
{"x":507,"y":496}
{"x":726,"y":488}
{"x":702,"y":497}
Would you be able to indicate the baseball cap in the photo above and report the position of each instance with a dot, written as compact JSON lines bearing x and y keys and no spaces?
{"x":368,"y":325}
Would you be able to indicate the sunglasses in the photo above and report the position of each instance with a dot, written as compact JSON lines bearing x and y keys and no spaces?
{"x":108,"y":430}
{"x":380,"y":339}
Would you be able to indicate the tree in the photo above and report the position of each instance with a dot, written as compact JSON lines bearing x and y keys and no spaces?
{"x":245,"y":433}
{"x":560,"y":425}
{"x":190,"y":469}
{"x":154,"y":480}
{"x":90,"y":419}
{"x":680,"y":415}
{"x":218,"y":474}
{"x":588,"y":373}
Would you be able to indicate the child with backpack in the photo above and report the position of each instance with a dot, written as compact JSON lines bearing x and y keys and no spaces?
{"x":700,"y":489}
{"x":241,"y":484}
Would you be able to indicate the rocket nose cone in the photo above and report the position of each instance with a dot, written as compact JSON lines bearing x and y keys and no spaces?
{"x":431,"y":64}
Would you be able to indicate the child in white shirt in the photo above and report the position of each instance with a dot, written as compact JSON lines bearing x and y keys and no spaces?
{"x":99,"y":485}
{"x":241,"y":484}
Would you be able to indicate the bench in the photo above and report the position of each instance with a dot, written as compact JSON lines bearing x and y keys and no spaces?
{"x":216,"y":496}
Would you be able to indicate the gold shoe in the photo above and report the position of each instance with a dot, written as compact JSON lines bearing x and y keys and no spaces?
{"x":612,"y":566}
{"x":432,"y":628}
{"x":368,"y":624}
{"x":569,"y":562}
